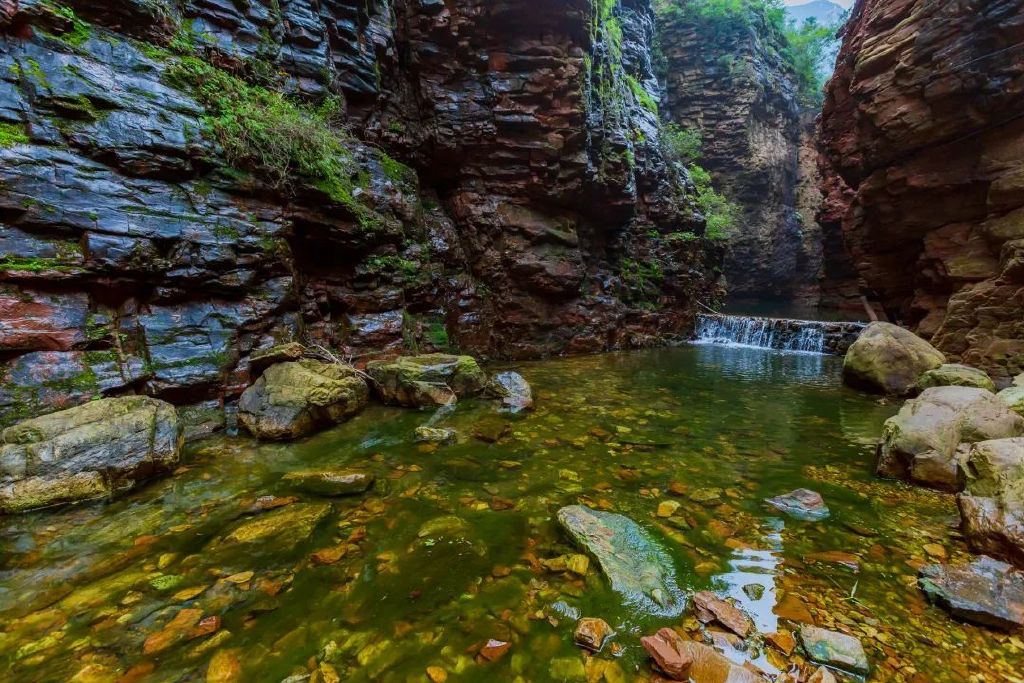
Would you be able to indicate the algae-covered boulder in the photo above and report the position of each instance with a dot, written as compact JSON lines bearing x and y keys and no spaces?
{"x":636,"y":565}
{"x":277,"y":531}
{"x":291,"y":400}
{"x":921,"y":442}
{"x":955,"y":375}
{"x":513,"y":390}
{"x":426,"y":381}
{"x":94,"y":450}
{"x":1014,"y":398}
{"x":992,"y":504}
{"x":888,"y":359}
{"x":330,"y":482}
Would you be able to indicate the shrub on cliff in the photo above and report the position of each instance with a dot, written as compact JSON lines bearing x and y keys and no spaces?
{"x":290,"y":145}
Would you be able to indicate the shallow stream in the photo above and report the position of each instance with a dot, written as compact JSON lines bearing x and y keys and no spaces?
{"x":448,"y":550}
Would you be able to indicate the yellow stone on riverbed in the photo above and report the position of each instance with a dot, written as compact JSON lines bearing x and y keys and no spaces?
{"x":668,"y":508}
{"x":437,"y":674}
{"x":935,"y":550}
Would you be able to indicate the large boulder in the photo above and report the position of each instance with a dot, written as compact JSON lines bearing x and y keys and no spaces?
{"x":636,"y":565}
{"x":426,"y":381}
{"x":955,"y":375}
{"x":992,"y":505}
{"x":922,"y":441}
{"x":291,"y":400}
{"x":888,"y":359}
{"x":94,"y":450}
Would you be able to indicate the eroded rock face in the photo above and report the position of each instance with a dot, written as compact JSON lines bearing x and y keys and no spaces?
{"x":291,"y":400}
{"x":530,"y":222}
{"x":888,"y":359}
{"x":923,"y":441}
{"x":729,"y":81}
{"x":96,"y":450}
{"x":922,"y":171}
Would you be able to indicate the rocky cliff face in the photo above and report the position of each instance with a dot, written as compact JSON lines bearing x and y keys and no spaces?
{"x":529,"y":220}
{"x":728,"y":80}
{"x":922,"y":144}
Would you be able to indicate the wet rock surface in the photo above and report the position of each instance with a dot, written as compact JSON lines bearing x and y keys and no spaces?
{"x":956,"y":375}
{"x":535,"y":186}
{"x":992,"y":504}
{"x":291,"y":400}
{"x":635,"y":564}
{"x":330,"y":482}
{"x":923,"y":441}
{"x":986,"y":592}
{"x":834,"y":649}
{"x":513,"y":390}
{"x":888,"y":359}
{"x":801,"y":504}
{"x":97,"y":450}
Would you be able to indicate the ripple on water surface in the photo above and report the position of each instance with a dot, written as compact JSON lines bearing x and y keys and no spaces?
{"x":458,"y":545}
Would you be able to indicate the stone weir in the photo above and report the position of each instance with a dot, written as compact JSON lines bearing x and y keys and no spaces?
{"x":808,"y":336}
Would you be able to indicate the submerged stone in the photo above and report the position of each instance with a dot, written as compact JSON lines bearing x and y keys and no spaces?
{"x":93,"y":450}
{"x":291,"y":400}
{"x":834,"y":649}
{"x":435,"y":435}
{"x":280,"y":530}
{"x":591,"y":633}
{"x":330,"y":482}
{"x":687,"y":660}
{"x":637,"y":567}
{"x":986,"y":591}
{"x":955,"y":375}
{"x":711,"y":608}
{"x":426,"y":381}
{"x":801,"y":504}
{"x":513,"y":390}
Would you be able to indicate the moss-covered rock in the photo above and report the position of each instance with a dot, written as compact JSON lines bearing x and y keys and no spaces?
{"x":1014,"y":398}
{"x":281,"y":529}
{"x":888,"y":359}
{"x":924,"y":440}
{"x":90,"y":451}
{"x":282,"y":353}
{"x":291,"y":400}
{"x":428,"y":380}
{"x":955,"y":375}
{"x":330,"y":482}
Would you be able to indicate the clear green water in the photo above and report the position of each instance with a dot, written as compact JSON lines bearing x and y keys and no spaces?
{"x":83,"y":590}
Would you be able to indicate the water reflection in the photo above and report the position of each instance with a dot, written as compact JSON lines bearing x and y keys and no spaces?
{"x":762,"y":365}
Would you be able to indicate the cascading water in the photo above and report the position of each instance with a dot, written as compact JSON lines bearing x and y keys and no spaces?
{"x":807,"y":336}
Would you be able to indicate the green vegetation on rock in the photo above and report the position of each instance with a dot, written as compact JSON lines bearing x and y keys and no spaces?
{"x":12,"y":134}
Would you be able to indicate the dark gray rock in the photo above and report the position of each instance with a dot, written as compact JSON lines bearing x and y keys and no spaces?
{"x":986,"y":592}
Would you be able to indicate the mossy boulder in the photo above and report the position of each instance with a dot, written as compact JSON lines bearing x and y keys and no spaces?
{"x":426,"y":381}
{"x":955,"y":375}
{"x":95,"y":450}
{"x":924,"y":440}
{"x":330,"y":482}
{"x":992,"y":504}
{"x":1014,"y":398}
{"x":291,"y":400}
{"x":888,"y":359}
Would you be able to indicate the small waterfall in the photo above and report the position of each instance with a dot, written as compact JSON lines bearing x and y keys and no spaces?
{"x":807,"y":336}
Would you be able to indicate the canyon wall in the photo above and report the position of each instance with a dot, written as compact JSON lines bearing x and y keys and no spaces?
{"x":530,"y":216}
{"x":726,"y":77}
{"x":922,"y":142}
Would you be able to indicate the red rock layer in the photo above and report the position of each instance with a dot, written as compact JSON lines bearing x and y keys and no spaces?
{"x":922,"y":148}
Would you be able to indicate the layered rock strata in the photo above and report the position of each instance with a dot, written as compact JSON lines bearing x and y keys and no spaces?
{"x":530,"y":219}
{"x":922,"y":138}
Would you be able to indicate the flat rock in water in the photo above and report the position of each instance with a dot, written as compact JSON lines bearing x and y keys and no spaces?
{"x":279,"y":530}
{"x":330,"y":482}
{"x":435,"y":434}
{"x":638,"y":568}
{"x":687,"y":660}
{"x":986,"y":591}
{"x":801,"y":504}
{"x":710,"y":608}
{"x":834,"y":649}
